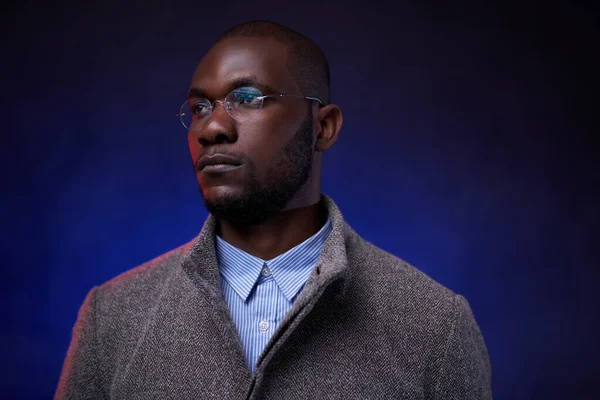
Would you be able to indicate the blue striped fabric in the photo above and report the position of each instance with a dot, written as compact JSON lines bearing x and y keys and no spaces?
{"x":260,"y":292}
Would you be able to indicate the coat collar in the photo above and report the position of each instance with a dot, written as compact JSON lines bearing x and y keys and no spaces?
{"x":200,"y":261}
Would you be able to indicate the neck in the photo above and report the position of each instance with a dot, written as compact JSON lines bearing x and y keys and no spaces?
{"x":278,"y":234}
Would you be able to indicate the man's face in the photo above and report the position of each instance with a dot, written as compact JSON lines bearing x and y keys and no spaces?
{"x":274,"y":150}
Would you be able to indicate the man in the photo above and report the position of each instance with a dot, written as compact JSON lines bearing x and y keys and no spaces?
{"x":277,"y":298}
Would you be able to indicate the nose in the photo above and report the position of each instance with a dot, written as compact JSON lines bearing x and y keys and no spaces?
{"x":218,"y":127}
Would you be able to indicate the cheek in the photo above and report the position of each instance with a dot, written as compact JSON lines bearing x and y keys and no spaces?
{"x":263,"y":148}
{"x":195,"y":148}
{"x":267,"y":137}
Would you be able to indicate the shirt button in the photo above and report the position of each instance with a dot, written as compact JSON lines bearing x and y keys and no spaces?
{"x":265,"y":272}
{"x":263,"y":325}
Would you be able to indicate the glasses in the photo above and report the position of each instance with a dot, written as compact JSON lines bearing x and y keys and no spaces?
{"x":242,"y":104}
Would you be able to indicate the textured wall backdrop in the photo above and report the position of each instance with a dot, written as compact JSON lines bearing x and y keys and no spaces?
{"x":466,"y":150}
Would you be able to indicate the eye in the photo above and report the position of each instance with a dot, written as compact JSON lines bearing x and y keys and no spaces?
{"x":246,"y":97}
{"x":199,"y":108}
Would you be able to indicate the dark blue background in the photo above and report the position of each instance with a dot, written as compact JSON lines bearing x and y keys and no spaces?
{"x":466,"y":149}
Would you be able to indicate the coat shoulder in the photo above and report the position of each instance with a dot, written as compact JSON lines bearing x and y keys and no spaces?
{"x":399,"y":285}
{"x":141,"y":284}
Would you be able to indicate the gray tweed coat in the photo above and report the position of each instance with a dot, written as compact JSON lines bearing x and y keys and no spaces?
{"x":366,"y":326}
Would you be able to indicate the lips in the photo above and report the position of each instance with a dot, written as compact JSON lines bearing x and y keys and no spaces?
{"x":217,"y":161}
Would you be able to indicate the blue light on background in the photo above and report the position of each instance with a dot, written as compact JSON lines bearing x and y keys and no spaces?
{"x":464,"y":151}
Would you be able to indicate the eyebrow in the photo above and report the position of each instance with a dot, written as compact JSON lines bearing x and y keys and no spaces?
{"x":248,"y":80}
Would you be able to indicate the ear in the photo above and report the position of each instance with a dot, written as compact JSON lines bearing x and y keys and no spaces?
{"x":329,"y":119}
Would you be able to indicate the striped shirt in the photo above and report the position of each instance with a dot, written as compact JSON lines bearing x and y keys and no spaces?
{"x":259,"y":293}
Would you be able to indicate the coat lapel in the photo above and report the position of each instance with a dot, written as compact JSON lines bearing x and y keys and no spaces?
{"x":190,"y":347}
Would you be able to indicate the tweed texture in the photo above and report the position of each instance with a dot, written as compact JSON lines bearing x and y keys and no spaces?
{"x":366,"y":326}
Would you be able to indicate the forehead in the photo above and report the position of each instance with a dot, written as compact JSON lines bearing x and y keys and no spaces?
{"x":262,"y":58}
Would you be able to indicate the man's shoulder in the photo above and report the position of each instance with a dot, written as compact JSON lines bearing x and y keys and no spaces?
{"x":407,"y":301}
{"x":396,"y":281}
{"x":147,"y":277}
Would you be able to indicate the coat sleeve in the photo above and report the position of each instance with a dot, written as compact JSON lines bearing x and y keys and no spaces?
{"x":465,"y":371}
{"x":80,"y":378}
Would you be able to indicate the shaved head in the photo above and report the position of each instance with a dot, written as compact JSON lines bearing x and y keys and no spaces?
{"x":275,"y":159}
{"x":307,"y":63}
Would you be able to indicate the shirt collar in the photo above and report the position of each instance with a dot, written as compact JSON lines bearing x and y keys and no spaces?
{"x":290,"y":270}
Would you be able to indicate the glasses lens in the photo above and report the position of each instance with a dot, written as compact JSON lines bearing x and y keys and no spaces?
{"x":193,"y":111}
{"x":243,"y":103}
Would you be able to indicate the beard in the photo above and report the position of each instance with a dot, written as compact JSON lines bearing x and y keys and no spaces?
{"x":287,"y":172}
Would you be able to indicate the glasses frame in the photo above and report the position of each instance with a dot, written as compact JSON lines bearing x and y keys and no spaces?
{"x":227,"y":106}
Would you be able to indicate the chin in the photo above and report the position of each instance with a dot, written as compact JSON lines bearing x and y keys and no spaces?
{"x":242,"y":207}
{"x":221,"y":194}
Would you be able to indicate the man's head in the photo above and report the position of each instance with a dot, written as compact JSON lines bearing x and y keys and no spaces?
{"x":278,"y":153}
